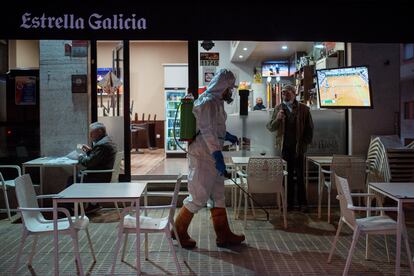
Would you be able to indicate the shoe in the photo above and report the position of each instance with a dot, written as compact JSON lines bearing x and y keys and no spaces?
{"x":93,"y":208}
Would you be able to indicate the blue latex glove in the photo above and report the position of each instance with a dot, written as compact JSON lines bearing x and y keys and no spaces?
{"x":231,"y":138}
{"x":218,"y":156}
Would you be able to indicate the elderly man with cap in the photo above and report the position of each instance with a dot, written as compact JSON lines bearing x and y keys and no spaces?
{"x":206,"y":162}
{"x":293,"y":124}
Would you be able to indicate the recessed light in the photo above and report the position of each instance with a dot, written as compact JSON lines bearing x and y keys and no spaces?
{"x":240,"y":56}
{"x":244,"y":49}
{"x":284,"y":47}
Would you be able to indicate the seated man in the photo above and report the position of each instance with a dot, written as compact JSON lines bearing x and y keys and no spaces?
{"x":259,"y":104}
{"x":99,"y":156}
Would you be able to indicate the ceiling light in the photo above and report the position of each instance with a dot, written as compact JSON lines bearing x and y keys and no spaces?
{"x":244,"y":49}
{"x":284,"y":47}
{"x":240,"y":56}
{"x":319,"y":46}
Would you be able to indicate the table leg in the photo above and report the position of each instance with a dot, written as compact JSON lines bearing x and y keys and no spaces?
{"x":367,"y":240}
{"x":42,"y":171}
{"x":55,"y":237}
{"x":74,"y":174}
{"x":138,"y":232}
{"x":399,"y":228}
{"x":319,"y":191}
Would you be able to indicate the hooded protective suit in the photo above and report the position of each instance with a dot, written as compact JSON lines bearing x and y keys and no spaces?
{"x":204,"y":180}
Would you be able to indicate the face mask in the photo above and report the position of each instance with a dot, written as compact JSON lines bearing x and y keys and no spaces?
{"x":227,"y":97}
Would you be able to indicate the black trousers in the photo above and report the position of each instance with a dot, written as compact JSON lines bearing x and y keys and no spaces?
{"x":295,"y":186}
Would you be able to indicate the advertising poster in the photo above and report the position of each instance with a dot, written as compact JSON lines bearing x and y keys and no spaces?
{"x":208,"y":74}
{"x":79,"y":48}
{"x":25,"y":90}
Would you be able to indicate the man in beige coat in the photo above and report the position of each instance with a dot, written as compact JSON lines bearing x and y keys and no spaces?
{"x":293,"y":124}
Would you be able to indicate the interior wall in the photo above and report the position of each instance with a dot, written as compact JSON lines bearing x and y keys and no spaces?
{"x":24,"y":54}
{"x":146,"y":71}
{"x":27,"y":53}
{"x":383,"y":61}
{"x":147,"y":74}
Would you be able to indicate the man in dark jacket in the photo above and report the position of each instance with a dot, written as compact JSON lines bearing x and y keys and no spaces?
{"x":101,"y":156}
{"x":293,"y":124}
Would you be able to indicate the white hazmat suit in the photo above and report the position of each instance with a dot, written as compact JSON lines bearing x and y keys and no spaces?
{"x":206,"y":163}
{"x":204,"y":181}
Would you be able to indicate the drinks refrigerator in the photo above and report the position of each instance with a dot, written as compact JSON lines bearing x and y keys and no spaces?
{"x":172,"y":113}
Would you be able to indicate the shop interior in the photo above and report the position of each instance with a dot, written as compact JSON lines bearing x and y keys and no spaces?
{"x":159,"y":79}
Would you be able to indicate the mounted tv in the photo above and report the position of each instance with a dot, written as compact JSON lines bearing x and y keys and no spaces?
{"x":275,"y":69}
{"x":346,"y":87}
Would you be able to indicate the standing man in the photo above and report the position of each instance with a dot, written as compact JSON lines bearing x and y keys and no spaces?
{"x":293,"y":124}
{"x":206,"y":162}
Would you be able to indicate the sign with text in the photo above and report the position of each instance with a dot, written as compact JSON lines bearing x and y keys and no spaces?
{"x":25,"y":92}
{"x":209,"y":59}
{"x":95,"y":21}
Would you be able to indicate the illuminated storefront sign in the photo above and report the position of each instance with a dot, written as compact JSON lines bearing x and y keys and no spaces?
{"x":95,"y":22}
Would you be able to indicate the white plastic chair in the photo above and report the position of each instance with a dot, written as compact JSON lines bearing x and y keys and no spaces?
{"x":352,"y":168}
{"x":381,"y":225}
{"x":35,"y":224}
{"x":149,"y":225}
{"x":4,"y":184}
{"x":265,"y":175}
{"x":115,"y":174}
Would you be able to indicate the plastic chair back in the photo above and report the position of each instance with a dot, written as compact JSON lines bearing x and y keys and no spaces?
{"x":353,"y":168}
{"x":26,"y":198}
{"x":265,"y":175}
{"x":117,"y":166}
{"x":175,"y":198}
{"x":345,"y":199}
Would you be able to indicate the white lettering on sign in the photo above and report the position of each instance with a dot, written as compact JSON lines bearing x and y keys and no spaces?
{"x":95,"y":22}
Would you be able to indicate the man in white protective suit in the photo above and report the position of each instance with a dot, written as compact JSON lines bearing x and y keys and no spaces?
{"x":206,"y":163}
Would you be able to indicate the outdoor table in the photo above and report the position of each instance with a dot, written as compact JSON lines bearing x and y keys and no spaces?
{"x":99,"y":192}
{"x":401,"y":192}
{"x":44,"y":162}
{"x":322,"y":162}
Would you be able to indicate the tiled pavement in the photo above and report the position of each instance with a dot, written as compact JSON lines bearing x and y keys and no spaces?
{"x":302,"y":249}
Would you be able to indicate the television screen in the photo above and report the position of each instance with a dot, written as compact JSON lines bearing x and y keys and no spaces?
{"x":275,"y":69}
{"x":344,"y":87}
{"x":101,"y":72}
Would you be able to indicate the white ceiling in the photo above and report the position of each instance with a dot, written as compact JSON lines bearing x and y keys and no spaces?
{"x":268,"y":50}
